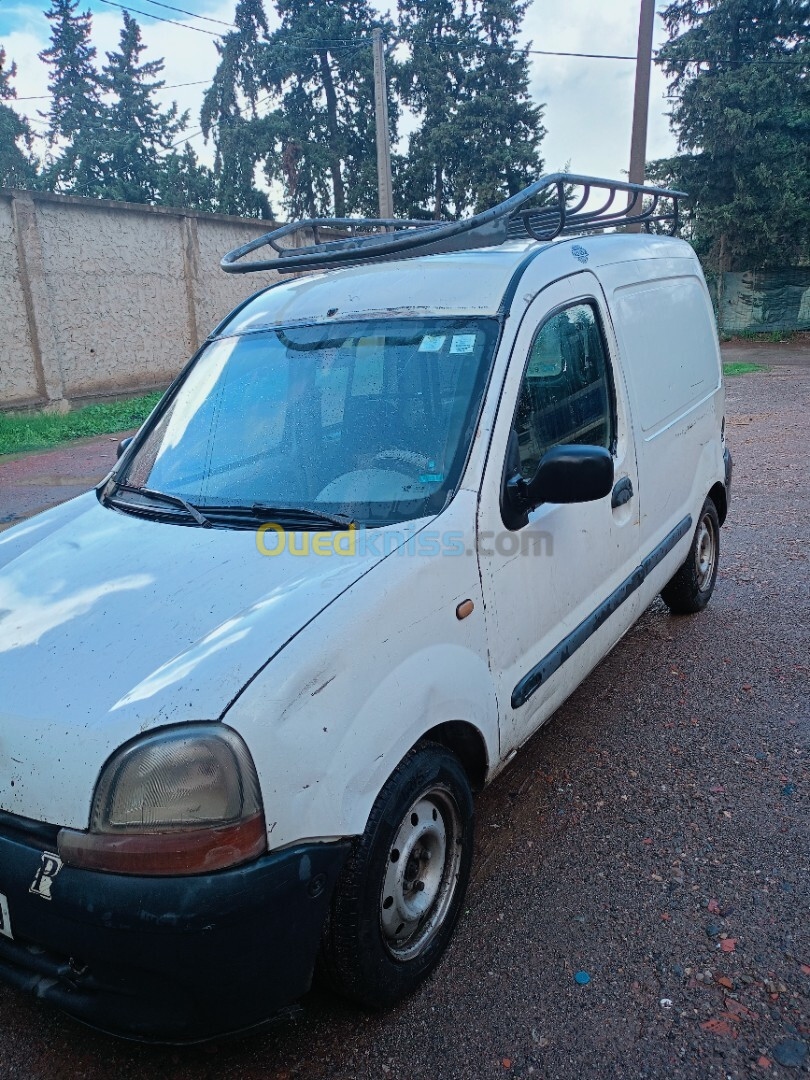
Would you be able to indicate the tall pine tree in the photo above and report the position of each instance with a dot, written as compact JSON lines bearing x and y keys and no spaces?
{"x":434,"y":83}
{"x":17,"y":163}
{"x":229,"y":114}
{"x":319,"y":65}
{"x":468,"y":81}
{"x":75,"y":115}
{"x":315,"y":136}
{"x":136,"y":132}
{"x":739,"y":75}
{"x":500,"y":126}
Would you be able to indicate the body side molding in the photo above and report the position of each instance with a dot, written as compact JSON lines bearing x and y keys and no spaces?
{"x":554,"y":660}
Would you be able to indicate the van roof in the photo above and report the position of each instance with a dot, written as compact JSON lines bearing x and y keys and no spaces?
{"x":466,"y":283}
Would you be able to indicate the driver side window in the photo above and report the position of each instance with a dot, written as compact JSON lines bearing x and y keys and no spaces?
{"x":566,"y":394}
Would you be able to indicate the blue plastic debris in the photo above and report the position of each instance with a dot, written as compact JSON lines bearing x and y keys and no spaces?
{"x":582,"y":978}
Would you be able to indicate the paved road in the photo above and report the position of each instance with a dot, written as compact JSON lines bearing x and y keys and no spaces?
{"x":30,"y":483}
{"x":655,"y":835}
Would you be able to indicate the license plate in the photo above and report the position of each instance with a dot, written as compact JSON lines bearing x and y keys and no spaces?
{"x":5,"y":919}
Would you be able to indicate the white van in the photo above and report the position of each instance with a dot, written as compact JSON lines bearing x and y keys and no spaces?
{"x":385,"y":521}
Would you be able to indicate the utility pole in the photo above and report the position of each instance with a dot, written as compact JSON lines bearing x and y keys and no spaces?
{"x":383,"y":130}
{"x":641,"y":100}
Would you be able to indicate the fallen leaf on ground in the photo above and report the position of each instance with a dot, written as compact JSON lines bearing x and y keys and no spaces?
{"x":729,"y":945}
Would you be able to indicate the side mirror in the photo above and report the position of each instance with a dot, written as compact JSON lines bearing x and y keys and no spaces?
{"x":122,"y":446}
{"x":566,"y":474}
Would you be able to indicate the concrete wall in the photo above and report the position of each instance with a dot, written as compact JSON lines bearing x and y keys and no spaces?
{"x":101,"y":298}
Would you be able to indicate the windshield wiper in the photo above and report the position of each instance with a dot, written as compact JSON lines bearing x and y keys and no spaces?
{"x":280,"y":514}
{"x":172,"y":500}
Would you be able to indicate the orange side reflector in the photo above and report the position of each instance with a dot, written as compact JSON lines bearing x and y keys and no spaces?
{"x":464,"y":609}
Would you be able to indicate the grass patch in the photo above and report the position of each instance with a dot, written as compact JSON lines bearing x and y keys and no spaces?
{"x":41,"y":431}
{"x":766,"y":337}
{"x":742,"y":368}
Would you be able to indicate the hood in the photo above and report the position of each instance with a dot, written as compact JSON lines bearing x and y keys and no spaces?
{"x":111,"y":625}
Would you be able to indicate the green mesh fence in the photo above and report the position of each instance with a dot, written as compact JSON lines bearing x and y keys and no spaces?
{"x":763,"y":301}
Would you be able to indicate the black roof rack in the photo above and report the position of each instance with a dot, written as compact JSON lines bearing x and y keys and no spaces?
{"x":556,"y":212}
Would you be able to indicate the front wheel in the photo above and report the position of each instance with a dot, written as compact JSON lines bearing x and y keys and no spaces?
{"x":399,"y":896}
{"x":690,"y":589}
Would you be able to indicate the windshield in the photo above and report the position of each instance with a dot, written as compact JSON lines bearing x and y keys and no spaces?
{"x":368,"y":419}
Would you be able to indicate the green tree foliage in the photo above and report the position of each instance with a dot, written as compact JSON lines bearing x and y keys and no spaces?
{"x":433,"y":82}
{"x":738,"y":71}
{"x":185,"y":182}
{"x":17,"y":164}
{"x":136,"y":133}
{"x":479,"y":131}
{"x":319,"y":66}
{"x":315,"y":136}
{"x":229,"y":113}
{"x":75,"y":115}
{"x":502,"y":126}
{"x":109,"y":137}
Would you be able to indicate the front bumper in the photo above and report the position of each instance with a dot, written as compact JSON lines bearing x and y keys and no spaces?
{"x":166,"y":959}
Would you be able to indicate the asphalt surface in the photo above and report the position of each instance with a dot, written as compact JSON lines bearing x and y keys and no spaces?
{"x":654,"y":835}
{"x":30,"y":483}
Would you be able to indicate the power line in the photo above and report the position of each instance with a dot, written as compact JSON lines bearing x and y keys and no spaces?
{"x":193,"y":14}
{"x":332,"y":44}
{"x":353,"y":43}
{"x":516,"y":49}
{"x":194,"y":134}
{"x":161,"y":18}
{"x":168,"y":86}
{"x":551,"y":52}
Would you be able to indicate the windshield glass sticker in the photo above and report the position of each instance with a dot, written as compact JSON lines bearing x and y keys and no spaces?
{"x":43,"y":879}
{"x":462,"y":343}
{"x":432,"y":343}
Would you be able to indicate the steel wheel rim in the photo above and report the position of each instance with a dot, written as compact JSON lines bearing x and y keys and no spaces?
{"x":705,"y":552}
{"x":421,"y":874}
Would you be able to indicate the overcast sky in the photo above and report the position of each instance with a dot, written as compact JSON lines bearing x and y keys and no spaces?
{"x":588,"y":101}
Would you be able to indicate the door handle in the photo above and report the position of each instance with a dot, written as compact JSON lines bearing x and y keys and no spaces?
{"x":622,"y":492}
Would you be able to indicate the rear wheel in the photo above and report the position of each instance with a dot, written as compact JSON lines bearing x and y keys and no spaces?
{"x":691,"y":588}
{"x":399,"y":896}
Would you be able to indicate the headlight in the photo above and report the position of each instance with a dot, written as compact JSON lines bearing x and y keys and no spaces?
{"x":181,"y":801}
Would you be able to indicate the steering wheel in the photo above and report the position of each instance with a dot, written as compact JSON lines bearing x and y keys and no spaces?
{"x":416,"y":461}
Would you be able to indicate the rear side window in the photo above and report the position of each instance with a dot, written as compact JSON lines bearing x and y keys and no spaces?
{"x":566,"y":394}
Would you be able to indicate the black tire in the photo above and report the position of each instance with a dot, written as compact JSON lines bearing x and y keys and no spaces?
{"x":361,"y":958}
{"x":690,"y":589}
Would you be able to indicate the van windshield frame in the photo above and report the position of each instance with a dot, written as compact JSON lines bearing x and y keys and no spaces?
{"x":369,"y":420}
